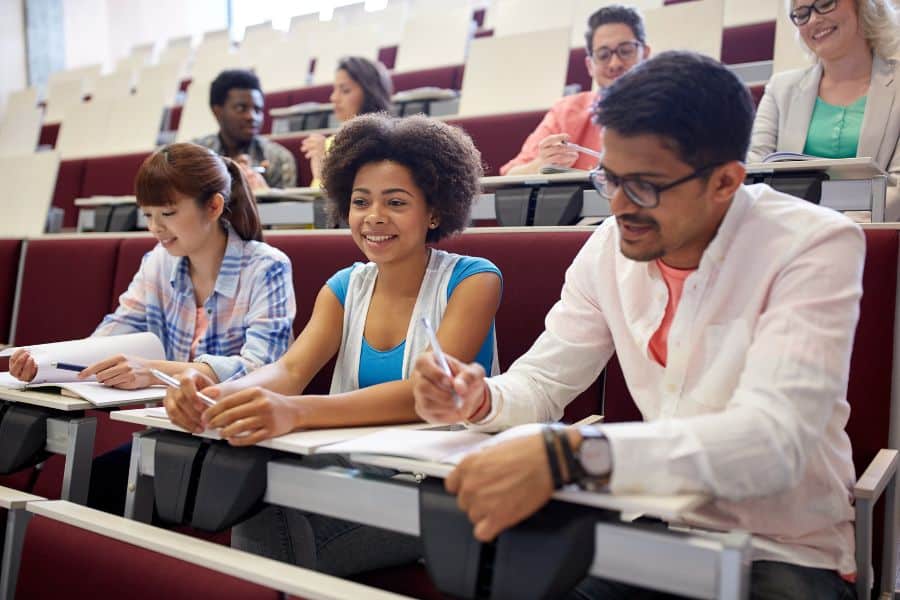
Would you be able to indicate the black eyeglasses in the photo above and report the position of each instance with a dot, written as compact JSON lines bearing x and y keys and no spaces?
{"x":643,"y":193}
{"x":801,"y":14}
{"x":626,"y":51}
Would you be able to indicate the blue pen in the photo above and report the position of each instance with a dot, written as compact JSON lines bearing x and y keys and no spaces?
{"x":67,"y":366}
{"x":439,"y":356}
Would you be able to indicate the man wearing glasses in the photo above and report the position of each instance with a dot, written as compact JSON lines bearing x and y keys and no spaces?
{"x":615,"y":42}
{"x":732,"y":311}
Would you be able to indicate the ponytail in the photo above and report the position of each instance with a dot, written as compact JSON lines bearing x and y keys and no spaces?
{"x":240,"y":207}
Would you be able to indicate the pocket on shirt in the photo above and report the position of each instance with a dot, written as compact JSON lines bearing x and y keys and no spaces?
{"x":725,"y":347}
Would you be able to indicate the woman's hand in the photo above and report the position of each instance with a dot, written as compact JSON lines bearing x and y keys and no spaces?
{"x":253,"y":415}
{"x":22,"y":365}
{"x":121,"y":371}
{"x":183,"y":406}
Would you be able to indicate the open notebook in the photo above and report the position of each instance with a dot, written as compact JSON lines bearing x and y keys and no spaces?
{"x":85,"y":352}
{"x":95,"y":393}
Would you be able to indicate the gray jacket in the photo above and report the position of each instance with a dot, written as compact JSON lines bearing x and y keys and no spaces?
{"x":784,"y":113}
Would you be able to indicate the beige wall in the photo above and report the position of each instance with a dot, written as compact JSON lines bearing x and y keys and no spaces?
{"x":13,"y":74}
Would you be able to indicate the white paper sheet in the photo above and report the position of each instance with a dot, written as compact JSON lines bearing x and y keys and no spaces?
{"x":88,"y":351}
{"x":435,"y":446}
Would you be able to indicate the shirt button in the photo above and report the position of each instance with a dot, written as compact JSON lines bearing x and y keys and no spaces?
{"x":671,"y":388}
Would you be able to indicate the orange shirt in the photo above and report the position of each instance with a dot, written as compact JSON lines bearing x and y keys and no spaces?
{"x":572,"y":115}
{"x":674,"y":279}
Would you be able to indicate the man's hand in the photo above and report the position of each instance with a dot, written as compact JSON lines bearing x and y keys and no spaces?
{"x":503,"y":484}
{"x":553,"y":152}
{"x":433,"y":390}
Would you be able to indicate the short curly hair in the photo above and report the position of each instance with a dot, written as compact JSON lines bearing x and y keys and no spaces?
{"x":442,"y":159}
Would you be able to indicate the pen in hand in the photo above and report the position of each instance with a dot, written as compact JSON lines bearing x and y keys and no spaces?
{"x":175,"y":384}
{"x":440,"y":358}
{"x":583,"y":150}
{"x":67,"y":366}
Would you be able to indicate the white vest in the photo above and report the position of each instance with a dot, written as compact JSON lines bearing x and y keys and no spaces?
{"x":431,"y":303}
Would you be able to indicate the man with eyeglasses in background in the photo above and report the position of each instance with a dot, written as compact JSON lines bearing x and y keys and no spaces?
{"x":732,"y":311}
{"x":615,"y":42}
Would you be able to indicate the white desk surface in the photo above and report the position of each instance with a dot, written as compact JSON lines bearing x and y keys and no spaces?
{"x":668,"y":508}
{"x":280,"y":576}
{"x":299,"y":442}
{"x":295,"y":193}
{"x":44,"y":399}
{"x":838,"y":168}
{"x":58,"y":401}
{"x":11,"y":499}
{"x":502,"y":181}
{"x":105,"y":201}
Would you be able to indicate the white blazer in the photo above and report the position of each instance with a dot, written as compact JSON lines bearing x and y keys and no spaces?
{"x":784,"y":113}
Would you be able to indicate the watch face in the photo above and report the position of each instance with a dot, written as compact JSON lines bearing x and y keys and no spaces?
{"x":595,"y":456}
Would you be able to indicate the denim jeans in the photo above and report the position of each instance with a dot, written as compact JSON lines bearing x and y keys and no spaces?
{"x":326,"y":544}
{"x":769,"y":580}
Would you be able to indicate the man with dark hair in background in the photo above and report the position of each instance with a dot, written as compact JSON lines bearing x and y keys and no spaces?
{"x":732,"y":311}
{"x":236,"y":100}
{"x":615,"y":42}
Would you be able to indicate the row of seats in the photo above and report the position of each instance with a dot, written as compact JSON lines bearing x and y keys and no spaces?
{"x":90,"y":271}
{"x":96,"y":129}
{"x":498,"y":138}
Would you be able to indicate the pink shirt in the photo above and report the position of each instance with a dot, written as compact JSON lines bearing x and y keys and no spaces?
{"x":201,"y":324}
{"x":674,"y":279}
{"x":572,"y":115}
{"x":751,"y":406}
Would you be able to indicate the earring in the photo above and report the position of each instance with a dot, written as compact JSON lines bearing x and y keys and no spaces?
{"x":432,"y":225}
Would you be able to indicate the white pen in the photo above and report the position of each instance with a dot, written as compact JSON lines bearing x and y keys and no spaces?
{"x":439,"y":356}
{"x":584,"y":150}
{"x":174,"y":383}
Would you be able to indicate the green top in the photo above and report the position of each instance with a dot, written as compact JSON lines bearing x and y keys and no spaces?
{"x":834,"y":130}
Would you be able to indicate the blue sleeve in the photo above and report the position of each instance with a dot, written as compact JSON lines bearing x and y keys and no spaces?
{"x":468,"y":266}
{"x":340,"y":281}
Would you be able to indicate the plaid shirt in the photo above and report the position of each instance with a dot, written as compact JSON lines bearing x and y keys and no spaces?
{"x":281,"y":169}
{"x":250,"y":311}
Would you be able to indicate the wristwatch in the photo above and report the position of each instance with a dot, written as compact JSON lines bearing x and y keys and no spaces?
{"x":594,"y":459}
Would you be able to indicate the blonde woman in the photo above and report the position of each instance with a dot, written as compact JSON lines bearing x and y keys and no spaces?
{"x":848,"y":103}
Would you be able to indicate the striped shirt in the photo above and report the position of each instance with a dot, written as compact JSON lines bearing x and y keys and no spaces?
{"x":250,"y":311}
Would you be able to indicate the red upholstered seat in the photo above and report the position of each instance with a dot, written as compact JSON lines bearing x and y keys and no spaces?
{"x":388,"y":56}
{"x":292,"y":143}
{"x":131,"y":251}
{"x":9,"y":269}
{"x":521,"y":256}
{"x":66,"y":288}
{"x":69,"y":180}
{"x":576,"y":71}
{"x":315,"y":93}
{"x":49,"y":133}
{"x":111,"y":175}
{"x":274,"y":100}
{"x":757,"y":92}
{"x":175,"y":117}
{"x":499,"y":137}
{"x":332,"y":252}
{"x":748,"y":43}
{"x":442,"y":77}
{"x":86,"y":565}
